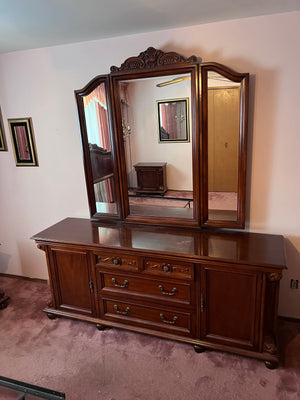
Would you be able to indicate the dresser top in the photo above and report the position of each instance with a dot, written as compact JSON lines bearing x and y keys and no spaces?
{"x":237,"y":247}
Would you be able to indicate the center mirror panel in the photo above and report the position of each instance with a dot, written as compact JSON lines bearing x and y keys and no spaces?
{"x":156,"y":123}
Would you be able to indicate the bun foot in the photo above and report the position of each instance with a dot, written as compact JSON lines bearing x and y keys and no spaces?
{"x":199,"y":349}
{"x":271,"y":364}
{"x":51,"y":316}
{"x":101,"y":327}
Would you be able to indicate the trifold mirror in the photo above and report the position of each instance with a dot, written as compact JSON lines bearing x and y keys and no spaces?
{"x":164,"y":142}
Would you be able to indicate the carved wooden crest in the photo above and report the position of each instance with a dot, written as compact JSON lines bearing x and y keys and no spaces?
{"x":152,"y":58}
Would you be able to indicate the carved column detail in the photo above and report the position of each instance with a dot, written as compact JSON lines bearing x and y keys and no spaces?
{"x":274,"y":276}
{"x":270,"y":345}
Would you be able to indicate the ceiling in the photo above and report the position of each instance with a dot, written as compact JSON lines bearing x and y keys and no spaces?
{"x":27,"y":24}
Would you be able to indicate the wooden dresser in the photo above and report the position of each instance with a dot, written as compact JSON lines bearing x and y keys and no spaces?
{"x":216,"y":290}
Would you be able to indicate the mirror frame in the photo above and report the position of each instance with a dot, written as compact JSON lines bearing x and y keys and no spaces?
{"x":150,"y":64}
{"x":79,"y":95}
{"x":156,"y":63}
{"x":243,"y":79}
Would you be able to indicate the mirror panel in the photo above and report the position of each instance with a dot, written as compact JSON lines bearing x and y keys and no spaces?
{"x":225,"y":107}
{"x":223,"y":146}
{"x":159,"y":177}
{"x":97,"y":139}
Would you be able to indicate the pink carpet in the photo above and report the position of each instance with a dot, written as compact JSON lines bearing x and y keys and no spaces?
{"x":75,"y":358}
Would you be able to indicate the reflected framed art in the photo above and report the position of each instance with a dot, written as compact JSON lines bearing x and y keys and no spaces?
{"x":173,"y":120}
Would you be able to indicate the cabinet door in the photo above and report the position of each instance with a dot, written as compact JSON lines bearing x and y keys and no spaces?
{"x":230,"y":306}
{"x":70,"y":278}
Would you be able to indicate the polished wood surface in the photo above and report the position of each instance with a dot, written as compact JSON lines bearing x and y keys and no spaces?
{"x":254,"y":249}
{"x":216,"y":290}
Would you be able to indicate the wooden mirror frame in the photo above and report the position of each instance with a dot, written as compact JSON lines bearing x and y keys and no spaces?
{"x":243,"y":79}
{"x":79,"y":95}
{"x":156,"y":63}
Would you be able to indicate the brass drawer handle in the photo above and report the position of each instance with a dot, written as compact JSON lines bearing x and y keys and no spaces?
{"x":127,"y":310}
{"x":123,"y":285}
{"x":167,"y":321}
{"x":167,"y":267}
{"x":174,"y":290}
{"x":116,"y":260}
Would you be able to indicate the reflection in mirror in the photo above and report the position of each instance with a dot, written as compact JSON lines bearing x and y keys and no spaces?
{"x":223,"y":146}
{"x":99,"y":142}
{"x":173,"y":120}
{"x":160,"y":178}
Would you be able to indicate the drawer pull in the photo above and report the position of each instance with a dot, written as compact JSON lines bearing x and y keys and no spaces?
{"x":127,"y":310}
{"x":174,"y":290}
{"x":167,"y":321}
{"x":116,"y":261}
{"x":123,"y":285}
{"x":167,"y":267}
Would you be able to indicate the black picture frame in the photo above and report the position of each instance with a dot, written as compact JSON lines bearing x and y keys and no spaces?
{"x":22,"y":138}
{"x":3,"y":144}
{"x":181,"y":133}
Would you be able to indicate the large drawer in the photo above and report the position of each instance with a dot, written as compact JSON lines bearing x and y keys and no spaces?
{"x":116,"y":261}
{"x":157,"y":318}
{"x":151,"y":288}
{"x":174,"y":269}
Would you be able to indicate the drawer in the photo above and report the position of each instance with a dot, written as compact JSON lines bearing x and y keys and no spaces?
{"x":158,"y":289}
{"x":174,"y":269}
{"x":116,"y":261}
{"x":177,"y":322}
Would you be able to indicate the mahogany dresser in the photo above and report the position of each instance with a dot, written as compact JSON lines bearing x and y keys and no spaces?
{"x":216,"y":290}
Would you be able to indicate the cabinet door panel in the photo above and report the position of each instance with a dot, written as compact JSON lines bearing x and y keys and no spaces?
{"x":71,"y":286}
{"x":230,"y":311}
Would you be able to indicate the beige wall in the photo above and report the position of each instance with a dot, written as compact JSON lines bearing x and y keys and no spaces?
{"x":40,"y":84}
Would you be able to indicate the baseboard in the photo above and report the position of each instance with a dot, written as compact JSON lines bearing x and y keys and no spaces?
{"x":24,"y":277}
{"x":289,"y":319}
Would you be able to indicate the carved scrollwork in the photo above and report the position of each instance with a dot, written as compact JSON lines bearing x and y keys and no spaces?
{"x":274,"y":276}
{"x":270,"y":345}
{"x":152,"y":58}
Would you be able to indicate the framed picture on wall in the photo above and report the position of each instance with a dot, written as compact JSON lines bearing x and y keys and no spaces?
{"x":22,"y":138}
{"x":3,"y":146}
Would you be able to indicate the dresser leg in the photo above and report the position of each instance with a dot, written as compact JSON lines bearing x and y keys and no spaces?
{"x":51,"y":316}
{"x":271,"y":364}
{"x":199,"y":349}
{"x":3,"y":300}
{"x":102,"y":327}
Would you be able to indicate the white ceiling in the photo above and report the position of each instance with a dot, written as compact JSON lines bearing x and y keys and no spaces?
{"x":26,"y":24}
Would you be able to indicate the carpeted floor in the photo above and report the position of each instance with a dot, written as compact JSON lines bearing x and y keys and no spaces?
{"x":75,"y":358}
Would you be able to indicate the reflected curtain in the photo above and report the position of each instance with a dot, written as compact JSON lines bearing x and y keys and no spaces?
{"x":168,"y":119}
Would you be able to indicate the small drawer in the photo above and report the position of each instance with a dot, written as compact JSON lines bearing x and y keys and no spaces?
{"x":157,"y":289}
{"x":171,"y":268}
{"x":115,"y":260}
{"x":150,"y":317}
